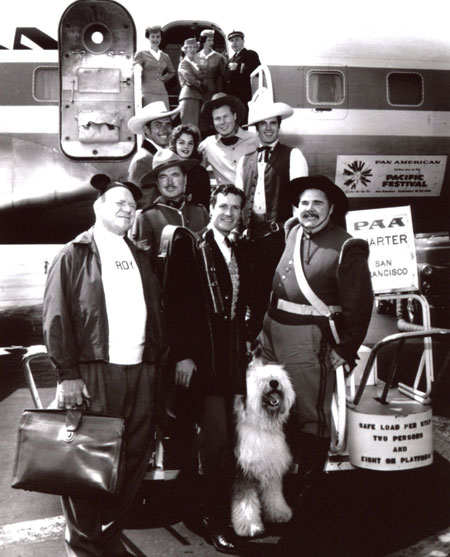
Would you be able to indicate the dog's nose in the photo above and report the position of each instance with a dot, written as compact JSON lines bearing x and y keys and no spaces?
{"x":274,"y":383}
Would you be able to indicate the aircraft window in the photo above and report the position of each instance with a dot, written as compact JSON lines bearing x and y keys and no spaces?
{"x":405,"y":89}
{"x":325,"y":87}
{"x":46,"y":83}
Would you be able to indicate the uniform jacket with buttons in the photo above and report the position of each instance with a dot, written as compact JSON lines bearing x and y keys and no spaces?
{"x":214,"y":341}
{"x":151,"y":222}
{"x":336,"y":268}
{"x":154,"y":72}
{"x":237,"y":81}
{"x":191,"y":83}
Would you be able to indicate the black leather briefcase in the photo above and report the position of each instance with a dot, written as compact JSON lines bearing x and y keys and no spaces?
{"x":69,"y":452}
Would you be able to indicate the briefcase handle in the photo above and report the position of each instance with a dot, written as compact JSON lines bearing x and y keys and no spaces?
{"x":73,"y":420}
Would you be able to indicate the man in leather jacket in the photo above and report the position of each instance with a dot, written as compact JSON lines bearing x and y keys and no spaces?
{"x":103,"y":331}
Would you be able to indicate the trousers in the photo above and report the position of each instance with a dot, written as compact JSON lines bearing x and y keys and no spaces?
{"x":305,"y":354}
{"x":93,"y":527}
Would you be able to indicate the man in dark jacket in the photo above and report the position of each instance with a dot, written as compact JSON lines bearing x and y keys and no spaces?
{"x":103,"y":331}
{"x":239,"y":68}
{"x":297,"y":334}
{"x":205,"y":295}
{"x":171,"y":207}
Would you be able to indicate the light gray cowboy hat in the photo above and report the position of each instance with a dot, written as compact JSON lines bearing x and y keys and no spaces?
{"x":265,"y":110}
{"x":151,"y":111}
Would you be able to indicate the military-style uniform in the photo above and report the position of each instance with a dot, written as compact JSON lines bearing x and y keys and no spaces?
{"x":296,"y":335}
{"x":237,"y":74}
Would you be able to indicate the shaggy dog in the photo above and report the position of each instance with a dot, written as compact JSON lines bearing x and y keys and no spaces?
{"x":262,"y":454}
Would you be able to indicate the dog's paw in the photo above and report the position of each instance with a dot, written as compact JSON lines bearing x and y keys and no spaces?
{"x":249,"y":530}
{"x":279,"y":514}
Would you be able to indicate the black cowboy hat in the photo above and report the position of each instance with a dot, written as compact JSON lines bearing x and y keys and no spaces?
{"x":221,"y":99}
{"x":334,"y":193}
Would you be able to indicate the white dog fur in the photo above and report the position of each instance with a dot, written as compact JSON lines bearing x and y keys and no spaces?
{"x":263,"y":456}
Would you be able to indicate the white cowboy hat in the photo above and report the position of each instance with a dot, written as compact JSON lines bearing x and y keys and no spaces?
{"x":165,"y":158}
{"x":264,"y":110}
{"x":151,"y":111}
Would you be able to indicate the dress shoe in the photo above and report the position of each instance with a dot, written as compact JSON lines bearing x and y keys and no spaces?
{"x":220,"y":536}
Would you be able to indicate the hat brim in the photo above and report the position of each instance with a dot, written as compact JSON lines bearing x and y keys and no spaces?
{"x":226,"y":100}
{"x":151,"y":177}
{"x":137,"y":123}
{"x":274,"y":110}
{"x":335,"y":195}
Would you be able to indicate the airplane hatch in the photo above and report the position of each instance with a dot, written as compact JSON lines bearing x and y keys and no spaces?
{"x":97,"y":40}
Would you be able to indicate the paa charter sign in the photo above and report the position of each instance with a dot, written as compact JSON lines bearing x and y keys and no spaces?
{"x":392,"y":259}
{"x":390,"y":175}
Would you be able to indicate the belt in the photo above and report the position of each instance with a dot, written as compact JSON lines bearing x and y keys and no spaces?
{"x":301,"y":309}
{"x":262,"y":229}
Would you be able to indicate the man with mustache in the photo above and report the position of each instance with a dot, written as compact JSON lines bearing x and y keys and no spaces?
{"x":319,"y":256}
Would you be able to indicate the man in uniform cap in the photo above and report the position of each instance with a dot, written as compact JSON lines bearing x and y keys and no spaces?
{"x":103,"y":332}
{"x":239,"y":68}
{"x":265,"y":177}
{"x":154,"y":124}
{"x":223,"y":150}
{"x":322,"y":257}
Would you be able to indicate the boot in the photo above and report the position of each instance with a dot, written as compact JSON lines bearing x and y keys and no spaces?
{"x":313,"y":452}
{"x":215,"y":516}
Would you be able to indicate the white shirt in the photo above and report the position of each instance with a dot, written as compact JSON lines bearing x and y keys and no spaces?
{"x":155,"y":53}
{"x":124,"y":296}
{"x":220,"y":241}
{"x":224,"y":158}
{"x":298,"y":167}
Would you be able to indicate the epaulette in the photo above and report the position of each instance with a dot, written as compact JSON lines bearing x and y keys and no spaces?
{"x":352,"y":244}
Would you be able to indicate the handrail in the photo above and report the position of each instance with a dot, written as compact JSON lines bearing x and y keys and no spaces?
{"x":389,"y":340}
{"x":33,"y":352}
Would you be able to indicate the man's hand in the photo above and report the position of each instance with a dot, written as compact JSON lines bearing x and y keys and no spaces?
{"x":183,"y":372}
{"x":71,"y":393}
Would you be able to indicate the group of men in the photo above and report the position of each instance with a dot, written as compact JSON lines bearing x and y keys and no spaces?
{"x":243,"y":278}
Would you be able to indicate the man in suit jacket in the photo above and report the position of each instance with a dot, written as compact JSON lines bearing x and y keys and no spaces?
{"x":265,"y":176}
{"x":239,"y":68}
{"x":208,"y":347}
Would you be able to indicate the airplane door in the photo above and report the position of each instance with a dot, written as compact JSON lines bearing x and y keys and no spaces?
{"x":97,"y":41}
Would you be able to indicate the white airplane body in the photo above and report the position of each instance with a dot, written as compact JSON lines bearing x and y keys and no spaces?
{"x":369,"y":92}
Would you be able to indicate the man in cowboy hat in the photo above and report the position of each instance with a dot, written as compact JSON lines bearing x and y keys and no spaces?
{"x":171,"y":207}
{"x":154,"y":123}
{"x":322,"y":265}
{"x":239,"y":68}
{"x":265,"y":177}
{"x":223,"y":150}
{"x":103,"y":331}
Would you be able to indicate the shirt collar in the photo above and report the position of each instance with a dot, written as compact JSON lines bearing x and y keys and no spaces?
{"x":218,"y":236}
{"x":271,"y":145}
{"x":239,"y":133}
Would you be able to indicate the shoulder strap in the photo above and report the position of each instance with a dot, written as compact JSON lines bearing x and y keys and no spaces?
{"x":306,"y":289}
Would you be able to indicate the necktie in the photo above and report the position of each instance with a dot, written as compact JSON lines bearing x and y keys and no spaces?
{"x":228,"y":242}
{"x":229,"y":140}
{"x":264,"y":153}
